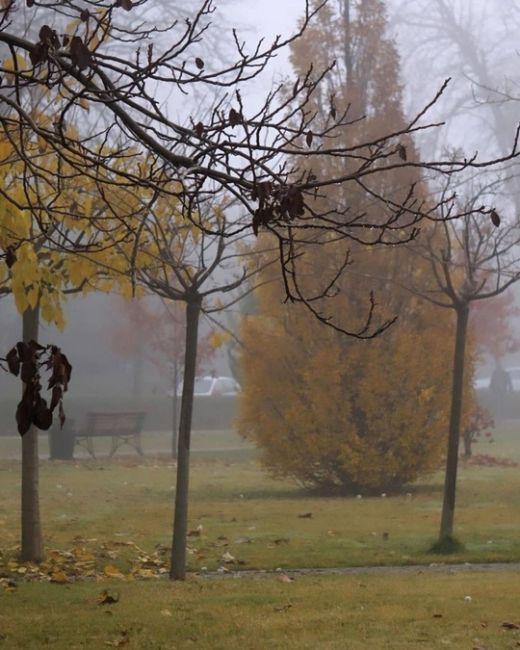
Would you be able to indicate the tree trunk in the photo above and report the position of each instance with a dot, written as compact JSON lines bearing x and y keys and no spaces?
{"x":137,"y":376}
{"x":468,"y":444}
{"x":32,"y":545}
{"x":180,"y":522}
{"x":175,"y":409}
{"x":348,"y":41}
{"x":450,"y":481}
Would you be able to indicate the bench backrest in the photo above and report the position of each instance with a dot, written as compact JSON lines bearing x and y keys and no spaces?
{"x":113,"y":424}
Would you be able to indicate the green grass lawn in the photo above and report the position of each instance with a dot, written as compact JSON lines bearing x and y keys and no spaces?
{"x":104,"y":508}
{"x":113,"y":517}
{"x":354,"y":613}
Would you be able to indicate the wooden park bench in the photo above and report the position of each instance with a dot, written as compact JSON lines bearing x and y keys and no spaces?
{"x":123,"y":428}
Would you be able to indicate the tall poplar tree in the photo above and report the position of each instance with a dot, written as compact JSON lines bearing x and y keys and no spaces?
{"x":332,"y":411}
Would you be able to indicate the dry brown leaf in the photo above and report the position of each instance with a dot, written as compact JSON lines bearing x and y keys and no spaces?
{"x":144,"y":573}
{"x":305,"y":515}
{"x":112,"y":571}
{"x":196,"y":532}
{"x":82,"y":555}
{"x":284,"y":578}
{"x":119,"y":643}
{"x":8,"y":585}
{"x":84,"y":104}
{"x":106,"y":598}
{"x":283,"y":608}
{"x":510,"y":626}
{"x":59,"y":577}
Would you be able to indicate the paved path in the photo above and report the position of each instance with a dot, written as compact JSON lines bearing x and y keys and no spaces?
{"x":467,"y":567}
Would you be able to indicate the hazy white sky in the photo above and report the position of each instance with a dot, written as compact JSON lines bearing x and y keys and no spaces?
{"x":266,"y":18}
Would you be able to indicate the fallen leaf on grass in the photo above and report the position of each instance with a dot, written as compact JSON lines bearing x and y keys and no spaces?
{"x":112,"y":571}
{"x":8,"y":585}
{"x":305,"y":515}
{"x":228,"y":558}
{"x":281,"y":540}
{"x":106,"y":598}
{"x":284,"y":578}
{"x":119,"y":643}
{"x":82,"y":555}
{"x":283,"y":608}
{"x":144,"y":573}
{"x":166,"y":613}
{"x":113,"y":555}
{"x":59,"y":577}
{"x":223,"y":569}
{"x":437,"y":616}
{"x":196,"y":532}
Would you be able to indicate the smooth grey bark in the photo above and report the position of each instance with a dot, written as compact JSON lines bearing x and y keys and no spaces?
{"x":452,"y":459}
{"x":175,"y":409}
{"x":180,"y":520}
{"x":32,"y":542}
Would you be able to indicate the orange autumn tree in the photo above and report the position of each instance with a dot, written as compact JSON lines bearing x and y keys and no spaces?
{"x":492,"y":322}
{"x":335,"y":412}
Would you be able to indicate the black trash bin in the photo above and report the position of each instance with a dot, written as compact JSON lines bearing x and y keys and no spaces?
{"x":61,"y":441}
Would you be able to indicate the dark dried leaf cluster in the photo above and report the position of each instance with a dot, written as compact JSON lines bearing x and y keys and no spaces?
{"x":49,"y":43}
{"x":10,"y":256}
{"x":27,"y":360}
{"x":283,"y":203}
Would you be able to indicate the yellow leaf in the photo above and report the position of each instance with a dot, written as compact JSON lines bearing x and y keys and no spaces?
{"x":144,"y":573}
{"x":59,"y":577}
{"x":112,"y":571}
{"x":218,"y":339}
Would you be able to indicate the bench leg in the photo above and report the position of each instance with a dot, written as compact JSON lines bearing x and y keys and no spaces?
{"x":90,"y":447}
{"x":137,"y":444}
{"x":114,"y":446}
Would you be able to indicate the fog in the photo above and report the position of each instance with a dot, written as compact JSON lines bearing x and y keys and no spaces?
{"x":428,"y":56}
{"x":345,"y":373}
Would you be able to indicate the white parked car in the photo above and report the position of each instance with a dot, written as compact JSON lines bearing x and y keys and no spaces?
{"x":213,"y":387}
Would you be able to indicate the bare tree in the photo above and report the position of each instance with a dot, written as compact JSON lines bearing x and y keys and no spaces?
{"x":267,"y":158}
{"x":476,"y":45}
{"x":202,"y":268}
{"x":470,"y":260}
